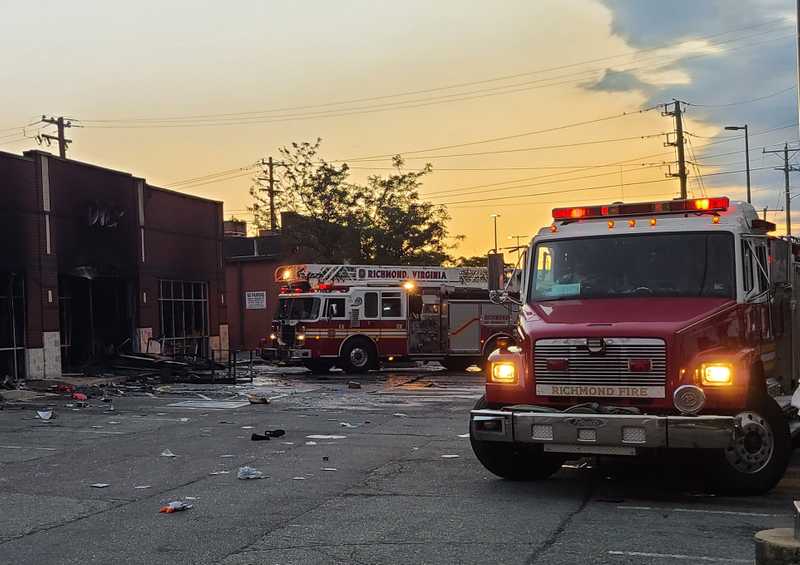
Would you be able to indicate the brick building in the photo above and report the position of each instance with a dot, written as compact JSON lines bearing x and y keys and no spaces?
{"x":93,"y":261}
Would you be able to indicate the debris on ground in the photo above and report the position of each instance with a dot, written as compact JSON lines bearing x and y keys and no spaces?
{"x":44,"y":414}
{"x":175,"y":506}
{"x":353,"y":384}
{"x":464,"y":435}
{"x":298,"y":478}
{"x":450,"y":456}
{"x":268,"y":434}
{"x":258,"y":398}
{"x":400,"y":415}
{"x":318,"y":436}
{"x":227,"y":456}
{"x":219,"y":473}
{"x":100,"y":485}
{"x":141,"y":487}
{"x":246,"y":473}
{"x":329,"y":469}
{"x":347,"y":425}
{"x":167,"y":453}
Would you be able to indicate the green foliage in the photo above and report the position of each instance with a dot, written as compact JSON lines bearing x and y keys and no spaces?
{"x":387,"y":217}
{"x":474,"y":261}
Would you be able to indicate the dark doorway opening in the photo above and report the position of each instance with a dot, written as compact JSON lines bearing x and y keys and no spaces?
{"x":12,"y":327}
{"x":96,"y":316}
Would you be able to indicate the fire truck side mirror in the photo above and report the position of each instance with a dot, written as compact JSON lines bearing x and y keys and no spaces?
{"x":496,"y":268}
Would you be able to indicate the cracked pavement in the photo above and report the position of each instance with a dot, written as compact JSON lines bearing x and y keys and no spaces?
{"x":383,"y":493}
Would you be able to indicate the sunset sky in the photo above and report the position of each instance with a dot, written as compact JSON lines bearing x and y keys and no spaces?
{"x":183,"y":89}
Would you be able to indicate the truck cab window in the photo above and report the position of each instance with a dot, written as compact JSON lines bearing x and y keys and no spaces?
{"x":747,"y":267}
{"x":761,"y":267}
{"x":391,"y":305}
{"x":335,"y":308}
{"x":370,"y":304}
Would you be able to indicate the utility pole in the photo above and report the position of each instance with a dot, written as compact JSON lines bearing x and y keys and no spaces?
{"x":677,"y":113}
{"x":271,"y":192}
{"x":746,"y":153}
{"x":61,"y":124}
{"x":787,"y":168}
{"x":495,"y":216}
{"x":518,"y":238}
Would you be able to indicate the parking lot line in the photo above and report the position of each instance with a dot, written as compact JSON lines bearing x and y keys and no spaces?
{"x":680,"y":557}
{"x":701,"y":511}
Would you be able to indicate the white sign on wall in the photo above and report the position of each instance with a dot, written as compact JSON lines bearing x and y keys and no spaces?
{"x":255,"y":300}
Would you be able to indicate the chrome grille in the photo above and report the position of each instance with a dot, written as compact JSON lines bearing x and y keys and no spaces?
{"x":600,"y":367}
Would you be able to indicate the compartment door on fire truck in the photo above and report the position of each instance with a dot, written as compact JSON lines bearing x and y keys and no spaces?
{"x":424,"y":323}
{"x":464,"y":326}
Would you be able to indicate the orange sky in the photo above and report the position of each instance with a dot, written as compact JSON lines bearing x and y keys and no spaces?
{"x":94,"y":62}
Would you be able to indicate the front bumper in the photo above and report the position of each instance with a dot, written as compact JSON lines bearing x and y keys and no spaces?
{"x":611,"y":434}
{"x":285,"y":354}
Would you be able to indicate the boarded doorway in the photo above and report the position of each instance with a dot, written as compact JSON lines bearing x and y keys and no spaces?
{"x":12,"y":327}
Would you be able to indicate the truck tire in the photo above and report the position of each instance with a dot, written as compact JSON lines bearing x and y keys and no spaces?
{"x":511,"y":461}
{"x":358,"y":356}
{"x":757,"y":458}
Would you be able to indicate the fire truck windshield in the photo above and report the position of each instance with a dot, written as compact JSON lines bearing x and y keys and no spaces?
{"x":300,"y":308}
{"x":669,"y":264}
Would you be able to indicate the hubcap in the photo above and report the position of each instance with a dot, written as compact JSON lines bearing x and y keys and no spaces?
{"x":753,"y":446}
{"x":358,"y":357}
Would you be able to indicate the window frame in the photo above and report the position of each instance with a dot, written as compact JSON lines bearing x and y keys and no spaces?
{"x":391,"y":295}
{"x":377,"y":314}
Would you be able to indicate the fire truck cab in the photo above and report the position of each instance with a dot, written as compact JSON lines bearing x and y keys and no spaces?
{"x":656,"y":327}
{"x":357,"y":316}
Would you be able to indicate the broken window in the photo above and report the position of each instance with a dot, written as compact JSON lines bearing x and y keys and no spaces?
{"x":12,"y":327}
{"x":184,"y":318}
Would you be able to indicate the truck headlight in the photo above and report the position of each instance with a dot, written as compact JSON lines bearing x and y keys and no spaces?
{"x":504,"y":372}
{"x":716,"y":374}
{"x":273,"y":337}
{"x":301,"y":337}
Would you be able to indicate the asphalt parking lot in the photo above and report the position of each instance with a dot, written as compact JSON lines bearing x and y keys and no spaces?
{"x":379,"y":474}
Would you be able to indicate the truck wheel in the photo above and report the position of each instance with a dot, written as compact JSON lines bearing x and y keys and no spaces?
{"x":757,"y":458}
{"x":511,"y":461}
{"x":358,"y":356}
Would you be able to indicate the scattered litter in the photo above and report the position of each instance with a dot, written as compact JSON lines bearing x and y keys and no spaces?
{"x":298,"y":478}
{"x":316,"y":436}
{"x":141,"y":487}
{"x":79,"y":396}
{"x":326,"y":458}
{"x":353,"y":384}
{"x":70,"y":405}
{"x":100,"y":485}
{"x":464,"y":435}
{"x":113,"y":422}
{"x":185,"y":419}
{"x":219,"y":472}
{"x":97,"y":427}
{"x":415,"y":449}
{"x":347,"y":425}
{"x":400,"y":415}
{"x":167,"y":453}
{"x":44,"y":414}
{"x":247,"y":427}
{"x":329,"y":469}
{"x":450,"y":456}
{"x":191,"y":498}
{"x":175,"y":506}
{"x":257,"y":398}
{"x":268,"y":434}
{"x":209,"y":404}
{"x":246,"y":473}
{"x":287,"y":442}
{"x":311,"y":443}
{"x":227,"y":455}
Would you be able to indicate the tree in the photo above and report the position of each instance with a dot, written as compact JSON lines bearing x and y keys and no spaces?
{"x":474,"y":261}
{"x":402,"y":228}
{"x":336,"y":220}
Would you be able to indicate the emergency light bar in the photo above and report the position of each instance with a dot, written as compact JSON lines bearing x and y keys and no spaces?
{"x":701,"y":205}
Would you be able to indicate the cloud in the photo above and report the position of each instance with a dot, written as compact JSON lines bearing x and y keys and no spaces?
{"x":617,"y":81}
{"x":718,"y":56}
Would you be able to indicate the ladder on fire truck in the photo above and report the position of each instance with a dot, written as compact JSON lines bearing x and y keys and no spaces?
{"x":382,"y":275}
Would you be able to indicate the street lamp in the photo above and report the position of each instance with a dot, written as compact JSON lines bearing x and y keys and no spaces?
{"x":746,"y":153}
{"x":495,"y":216}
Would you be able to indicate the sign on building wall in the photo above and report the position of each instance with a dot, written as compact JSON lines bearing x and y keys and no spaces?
{"x":255,"y":300}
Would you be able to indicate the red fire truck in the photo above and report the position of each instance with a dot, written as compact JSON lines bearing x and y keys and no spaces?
{"x":356,"y":316}
{"x":657,"y":327}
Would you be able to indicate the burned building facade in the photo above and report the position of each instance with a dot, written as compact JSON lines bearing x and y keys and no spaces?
{"x":95,"y":261}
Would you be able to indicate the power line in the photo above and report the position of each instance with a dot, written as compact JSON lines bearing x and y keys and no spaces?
{"x":220,"y":120}
{"x":740,"y":102}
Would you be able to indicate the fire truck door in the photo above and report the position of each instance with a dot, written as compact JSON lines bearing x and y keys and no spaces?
{"x":464,"y":330}
{"x":424,"y":324}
